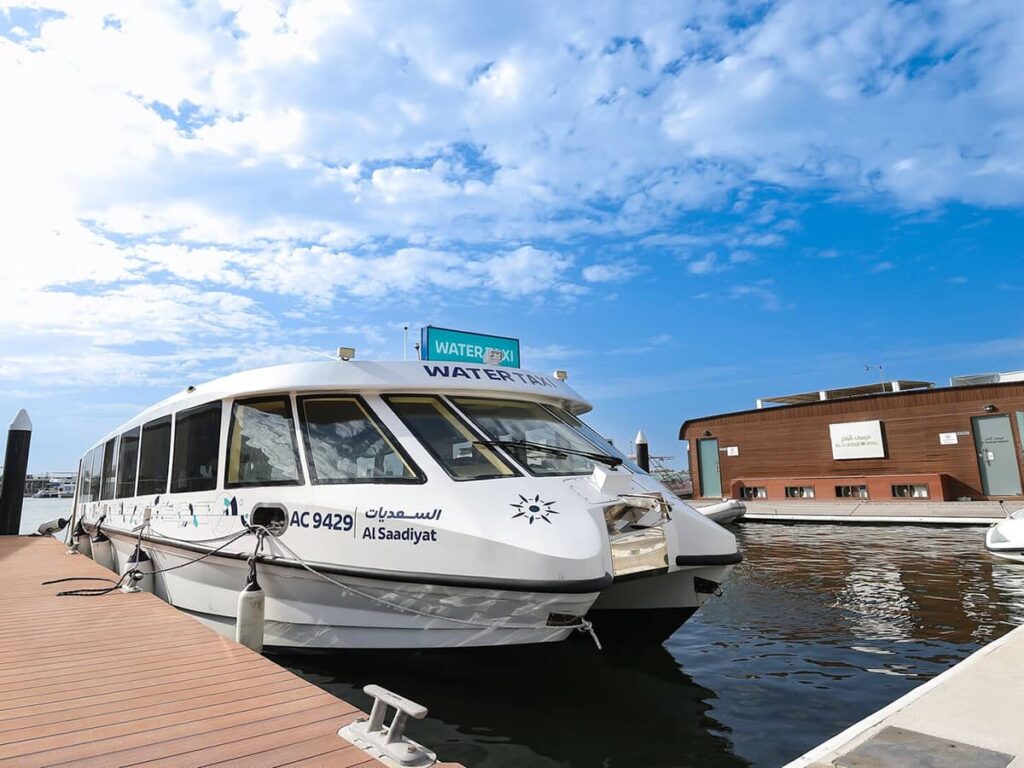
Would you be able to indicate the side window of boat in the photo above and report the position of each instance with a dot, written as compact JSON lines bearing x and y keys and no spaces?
{"x":261,"y":443}
{"x":127,"y":461}
{"x":346,"y":444}
{"x":85,"y":483}
{"x":155,"y":456}
{"x":97,"y":472}
{"x":448,"y":438}
{"x":196,"y":443}
{"x":109,"y":469}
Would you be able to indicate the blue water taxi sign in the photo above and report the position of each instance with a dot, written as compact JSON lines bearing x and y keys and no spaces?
{"x":465,"y":347}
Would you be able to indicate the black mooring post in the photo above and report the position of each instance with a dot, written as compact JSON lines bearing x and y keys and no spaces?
{"x":643,"y":454}
{"x":15,"y":466}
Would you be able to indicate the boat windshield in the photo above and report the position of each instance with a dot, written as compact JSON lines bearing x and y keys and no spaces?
{"x":450,"y":441}
{"x":595,"y":437}
{"x":538,"y":439}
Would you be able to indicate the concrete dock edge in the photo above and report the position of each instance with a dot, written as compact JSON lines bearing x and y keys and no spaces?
{"x":983,"y":679}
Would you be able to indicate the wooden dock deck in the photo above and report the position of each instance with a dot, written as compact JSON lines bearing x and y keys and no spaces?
{"x":125,"y":679}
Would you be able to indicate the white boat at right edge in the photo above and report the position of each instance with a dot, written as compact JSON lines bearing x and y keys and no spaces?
{"x":1005,"y":539}
{"x":412,"y":505}
{"x":725,"y":512}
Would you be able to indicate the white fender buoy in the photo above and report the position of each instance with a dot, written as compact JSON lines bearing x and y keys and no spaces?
{"x":141,"y":562}
{"x":102,"y":550}
{"x":80,"y":543}
{"x":251,"y":609}
{"x":50,"y":527}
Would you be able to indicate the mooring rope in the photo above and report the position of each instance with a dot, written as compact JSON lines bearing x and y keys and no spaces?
{"x":583,"y":625}
{"x":135,"y":573}
{"x":261,"y":532}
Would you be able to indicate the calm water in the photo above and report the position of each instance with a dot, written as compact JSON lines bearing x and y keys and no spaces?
{"x":820,"y":626}
{"x":36,"y":511}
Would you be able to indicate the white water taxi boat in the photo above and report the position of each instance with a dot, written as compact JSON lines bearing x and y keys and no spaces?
{"x":411,"y":504}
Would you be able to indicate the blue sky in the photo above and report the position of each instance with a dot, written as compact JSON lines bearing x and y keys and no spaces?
{"x":686,"y":205}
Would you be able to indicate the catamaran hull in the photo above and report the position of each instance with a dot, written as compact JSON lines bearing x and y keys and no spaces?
{"x":652,"y":608}
{"x":677,"y":589}
{"x":304,"y":611}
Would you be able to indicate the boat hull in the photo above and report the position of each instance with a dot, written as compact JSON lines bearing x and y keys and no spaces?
{"x":724,"y":513}
{"x":665,"y":591}
{"x":638,"y":625}
{"x":1005,"y":540}
{"x":305,"y":611}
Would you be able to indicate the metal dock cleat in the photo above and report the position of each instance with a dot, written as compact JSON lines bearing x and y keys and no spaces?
{"x":388,"y":742}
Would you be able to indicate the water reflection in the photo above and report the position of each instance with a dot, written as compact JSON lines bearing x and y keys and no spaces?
{"x":820,"y":626}
{"x":554,"y":705}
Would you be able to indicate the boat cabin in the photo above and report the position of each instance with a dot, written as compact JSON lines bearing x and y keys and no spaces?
{"x":347,"y":423}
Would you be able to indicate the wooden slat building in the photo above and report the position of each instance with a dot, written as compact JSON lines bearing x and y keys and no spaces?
{"x":943,"y":443}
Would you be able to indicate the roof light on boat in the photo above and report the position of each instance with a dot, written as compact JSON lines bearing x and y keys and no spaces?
{"x":561,"y":375}
{"x":346,"y":353}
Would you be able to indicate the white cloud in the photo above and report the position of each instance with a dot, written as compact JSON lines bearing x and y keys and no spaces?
{"x":136,"y":313}
{"x":523,"y":271}
{"x":768,"y":299}
{"x":610,"y":273}
{"x":193,"y":172}
{"x":551,"y":353}
{"x":705,"y":265}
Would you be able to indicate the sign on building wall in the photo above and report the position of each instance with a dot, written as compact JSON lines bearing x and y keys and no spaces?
{"x":948,"y":438}
{"x":857,"y":440}
{"x":465,"y":347}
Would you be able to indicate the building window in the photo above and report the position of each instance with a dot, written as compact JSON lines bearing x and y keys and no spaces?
{"x":910,"y":491}
{"x":753,"y":492}
{"x":799,"y":491}
{"x":196,"y":440}
{"x":126,"y":463}
{"x":261,"y":446}
{"x":155,"y":456}
{"x":851,"y":491}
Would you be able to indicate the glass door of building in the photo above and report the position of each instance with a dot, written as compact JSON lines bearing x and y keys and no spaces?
{"x":707,"y":466}
{"x":997,"y":456}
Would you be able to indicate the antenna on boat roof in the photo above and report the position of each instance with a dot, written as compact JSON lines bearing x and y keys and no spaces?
{"x":318,"y":352}
{"x":405,"y":341}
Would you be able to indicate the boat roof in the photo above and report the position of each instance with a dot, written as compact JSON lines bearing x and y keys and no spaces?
{"x":369,"y":376}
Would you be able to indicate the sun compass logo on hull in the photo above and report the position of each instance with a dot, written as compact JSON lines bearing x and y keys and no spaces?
{"x":534,"y":509}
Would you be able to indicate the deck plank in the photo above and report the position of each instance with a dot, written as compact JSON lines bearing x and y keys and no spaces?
{"x":125,"y":679}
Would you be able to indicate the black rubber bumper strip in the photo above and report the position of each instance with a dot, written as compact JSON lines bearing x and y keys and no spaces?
{"x":728,"y":559}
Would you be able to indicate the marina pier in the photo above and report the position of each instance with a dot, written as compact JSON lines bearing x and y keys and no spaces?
{"x":124,"y":678}
{"x":968,"y":513}
{"x":960,"y":718}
